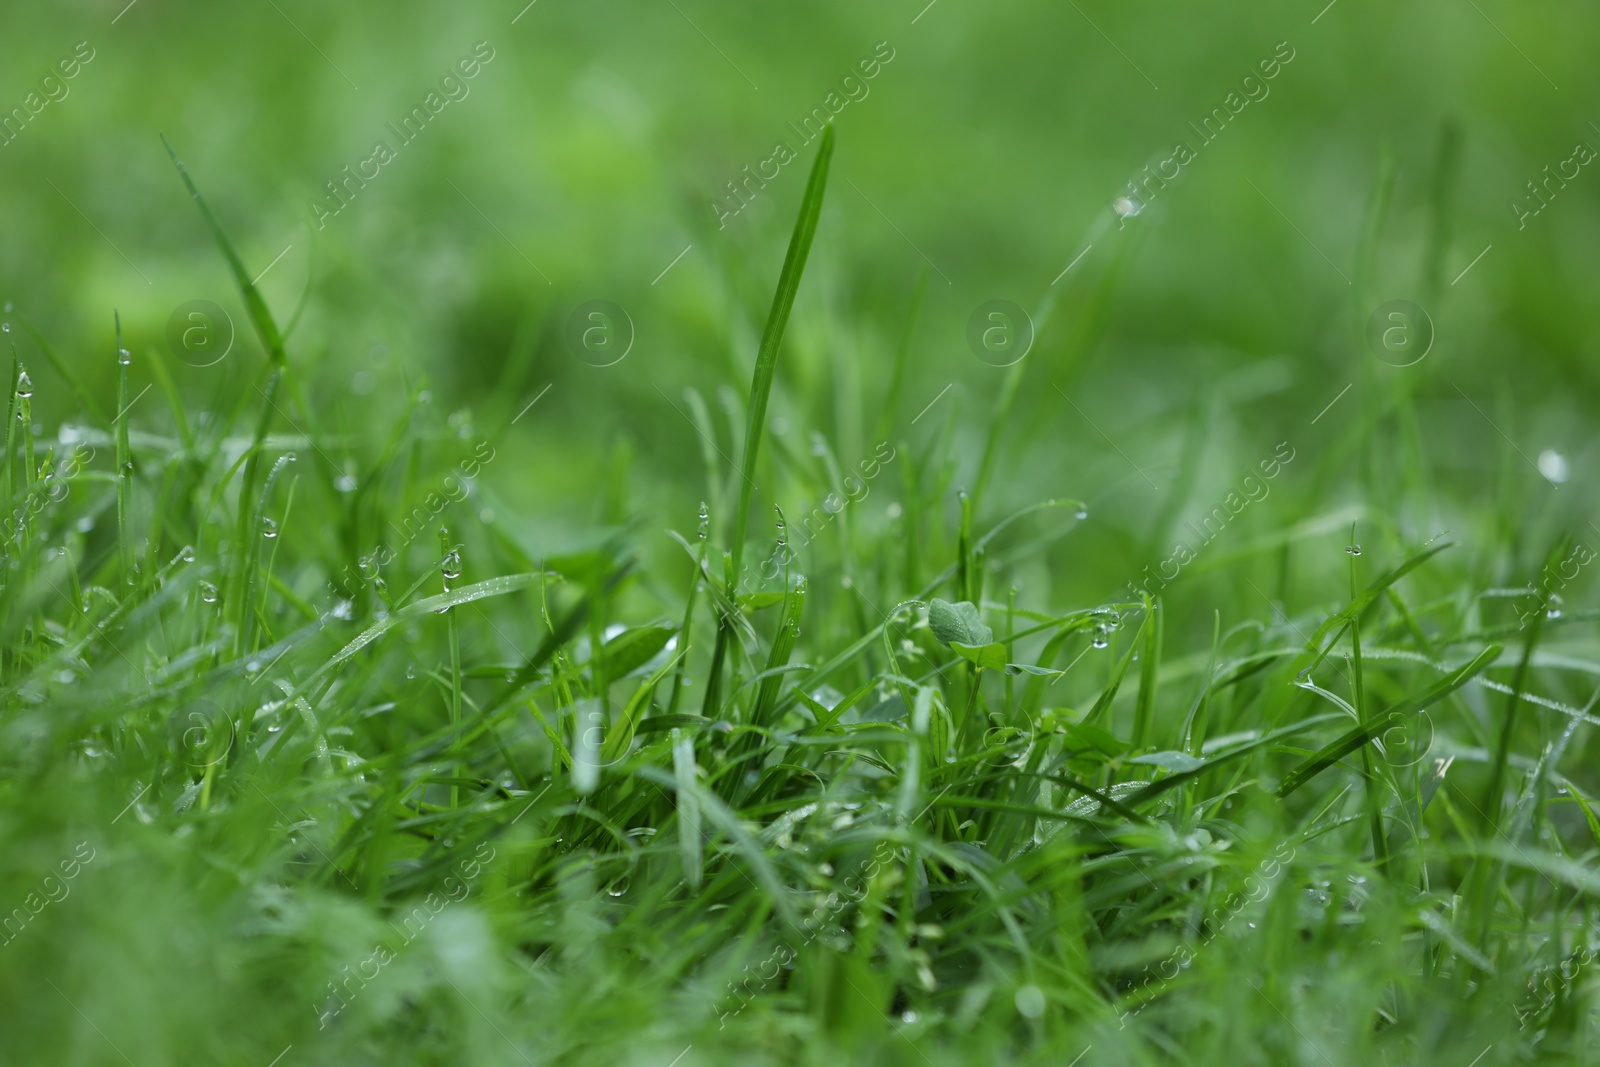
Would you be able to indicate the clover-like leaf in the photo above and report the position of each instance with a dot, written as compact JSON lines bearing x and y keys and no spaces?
{"x":958,"y":624}
{"x":991,"y":656}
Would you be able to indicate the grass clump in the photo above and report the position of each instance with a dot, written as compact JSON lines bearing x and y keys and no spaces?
{"x":479,"y":800}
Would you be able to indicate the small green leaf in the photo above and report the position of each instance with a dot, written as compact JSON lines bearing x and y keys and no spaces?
{"x":991,"y":656}
{"x":1083,"y":737}
{"x":757,"y":601}
{"x":960,"y":622}
{"x":1028,"y":668}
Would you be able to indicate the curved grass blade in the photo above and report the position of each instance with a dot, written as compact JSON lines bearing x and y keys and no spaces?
{"x":1353,"y":740}
{"x":260,"y":317}
{"x":794,"y":264}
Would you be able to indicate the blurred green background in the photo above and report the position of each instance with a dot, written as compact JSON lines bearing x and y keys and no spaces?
{"x":1192,"y":337}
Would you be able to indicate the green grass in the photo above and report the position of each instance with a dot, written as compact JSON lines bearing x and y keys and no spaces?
{"x":611,"y":803}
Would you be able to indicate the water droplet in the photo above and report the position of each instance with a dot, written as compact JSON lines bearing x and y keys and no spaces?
{"x":425,"y":397}
{"x":66,"y":677}
{"x":617,"y":888}
{"x":909,"y":1016}
{"x":252,"y":666}
{"x":1354,"y":550}
{"x":1126,"y":207}
{"x":345,"y":483}
{"x":1552,"y":607}
{"x":894,"y":510}
{"x":1082,"y":512}
{"x":185,"y":555}
{"x":24,"y":385}
{"x":124,"y":357}
{"x":343,"y":609}
{"x":269,"y":528}
{"x":411,"y":672}
{"x":1099,"y":640}
{"x":451,"y":567}
{"x":1553,"y":465}
{"x":705,"y":520}
{"x":85,"y":524}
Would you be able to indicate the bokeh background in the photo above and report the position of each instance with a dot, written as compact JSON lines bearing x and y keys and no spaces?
{"x":1185,"y":342}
